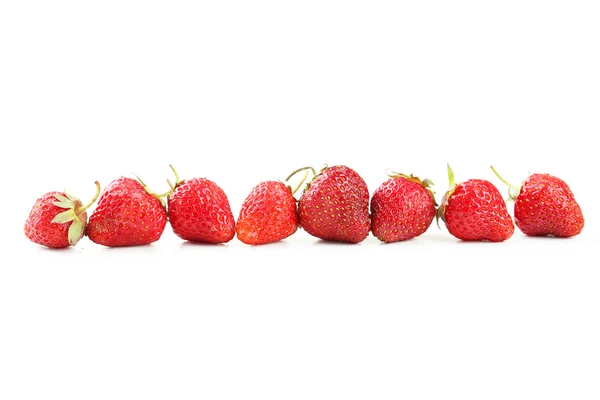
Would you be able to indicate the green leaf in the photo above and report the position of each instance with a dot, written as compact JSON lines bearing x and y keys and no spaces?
{"x":75,"y":231}
{"x":61,"y":198}
{"x":71,"y":197}
{"x":450,"y":176}
{"x":64,"y":217}
{"x":63,"y":204}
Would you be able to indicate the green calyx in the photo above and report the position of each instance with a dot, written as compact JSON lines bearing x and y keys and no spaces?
{"x":441,"y":211}
{"x":73,"y":213}
{"x":450,"y":177}
{"x":513,"y":190}
{"x":426,"y":183}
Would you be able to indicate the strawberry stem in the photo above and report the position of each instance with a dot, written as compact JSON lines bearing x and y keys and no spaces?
{"x":167,"y":193}
{"x":515,"y":189}
{"x":140,"y":180}
{"x":301,"y":182}
{"x":177,"y":181}
{"x":171,"y":186}
{"x":85,"y":207}
{"x":149,"y":191}
{"x":300,"y":170}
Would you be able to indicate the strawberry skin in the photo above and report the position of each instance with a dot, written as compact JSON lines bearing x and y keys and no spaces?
{"x":546,"y":206}
{"x":335,"y":206}
{"x":199,"y":211}
{"x":127,"y":215}
{"x":475,"y":210}
{"x":40,"y":228}
{"x":268,"y":214}
{"x":401,"y":209}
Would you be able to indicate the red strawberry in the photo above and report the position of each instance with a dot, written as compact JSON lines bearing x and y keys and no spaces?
{"x":335,"y":206}
{"x":268,"y":214}
{"x":475,"y":210}
{"x":127,"y":214}
{"x":545,"y":205}
{"x":402,"y":208}
{"x":58,"y":220}
{"x":199,"y":211}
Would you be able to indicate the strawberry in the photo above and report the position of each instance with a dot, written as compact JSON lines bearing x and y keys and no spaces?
{"x":402,"y":208}
{"x":545,"y":205}
{"x":199,"y":211}
{"x":58,"y":219}
{"x":335,"y":206}
{"x":127,"y":214}
{"x":268,"y":214}
{"x":475,"y":210}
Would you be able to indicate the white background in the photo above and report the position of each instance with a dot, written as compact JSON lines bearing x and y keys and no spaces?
{"x":241,"y":92}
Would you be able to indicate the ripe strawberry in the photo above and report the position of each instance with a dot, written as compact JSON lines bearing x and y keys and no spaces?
{"x":545,"y":205}
{"x":127,"y":214}
{"x":475,"y":210}
{"x":58,"y":220}
{"x":402,"y":208}
{"x":199,"y":211}
{"x":335,"y":206}
{"x":268,"y":214}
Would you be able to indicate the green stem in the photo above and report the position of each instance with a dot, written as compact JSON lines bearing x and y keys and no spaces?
{"x":176,"y":174}
{"x":171,"y":186}
{"x":168,"y":192}
{"x":514,"y":188}
{"x":300,"y":170}
{"x":140,"y":180}
{"x":301,"y":182}
{"x":85,"y":207}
